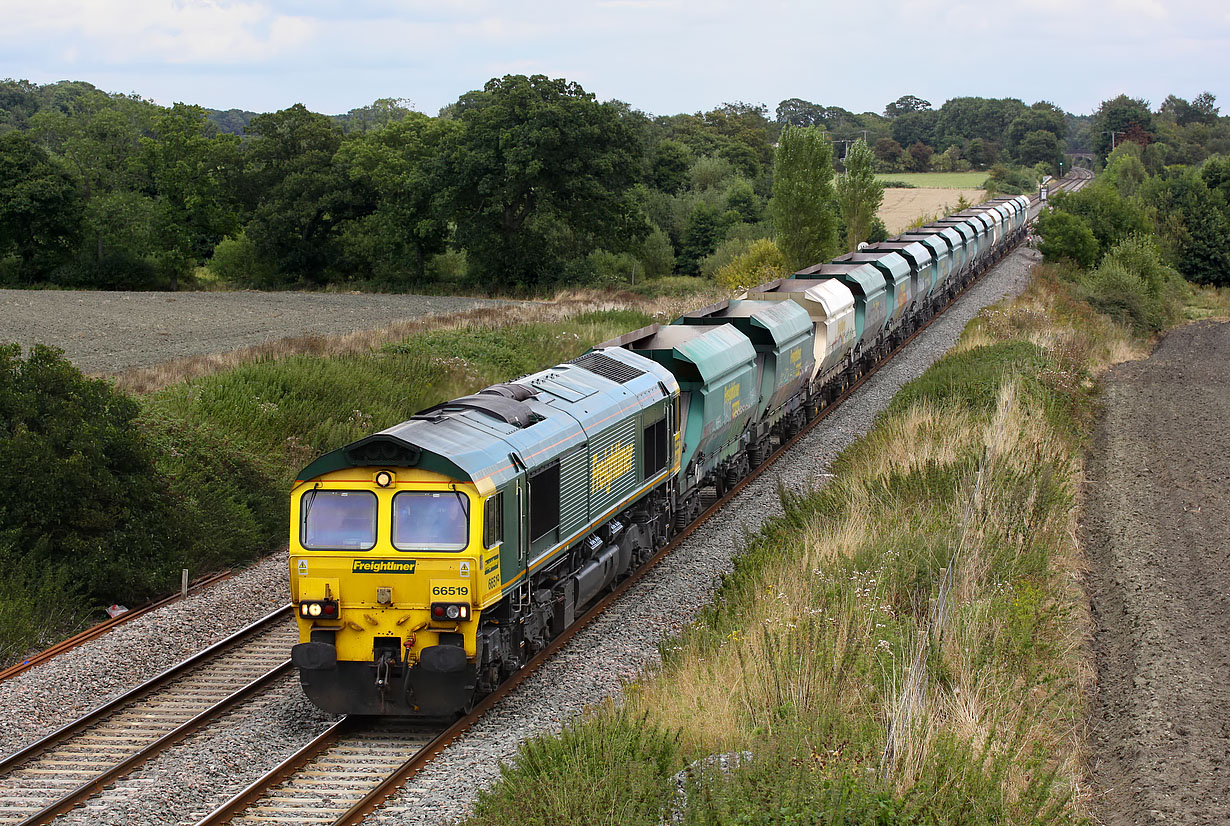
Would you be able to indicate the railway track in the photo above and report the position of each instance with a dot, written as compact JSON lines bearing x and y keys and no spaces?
{"x":63,"y":769}
{"x":339,"y":777}
{"x":353,"y":767}
{"x":103,"y":627}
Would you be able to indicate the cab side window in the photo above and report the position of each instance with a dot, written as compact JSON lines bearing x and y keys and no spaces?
{"x":493,"y":521}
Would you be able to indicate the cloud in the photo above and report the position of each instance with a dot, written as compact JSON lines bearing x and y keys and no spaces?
{"x":169,"y":31}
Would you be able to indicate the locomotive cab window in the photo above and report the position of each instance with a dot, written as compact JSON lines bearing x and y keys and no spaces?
{"x":430,"y":520}
{"x":656,"y":453}
{"x":493,"y":521}
{"x":332,"y":520}
{"x":544,"y":501}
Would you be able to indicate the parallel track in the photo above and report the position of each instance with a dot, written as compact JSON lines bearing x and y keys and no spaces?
{"x":61,"y":770}
{"x":102,"y":628}
{"x":353,"y":767}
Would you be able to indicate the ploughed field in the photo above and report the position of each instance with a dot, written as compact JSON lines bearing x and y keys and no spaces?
{"x":104,"y":332}
{"x":1157,"y":530}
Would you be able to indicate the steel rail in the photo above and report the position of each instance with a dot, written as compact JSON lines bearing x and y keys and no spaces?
{"x":422,"y":757}
{"x":30,"y":754}
{"x":103,"y":627}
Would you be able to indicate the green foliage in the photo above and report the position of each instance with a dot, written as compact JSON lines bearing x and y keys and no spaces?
{"x":670,"y":166}
{"x":40,"y":210}
{"x":1041,"y":147}
{"x":1067,"y":236}
{"x":235,"y":259}
{"x":607,"y":768}
{"x":1006,"y":180}
{"x":762,"y":261}
{"x":1129,"y":118}
{"x":705,"y":230}
{"x":1134,"y":287}
{"x":657,"y":254}
{"x":801,"y":206}
{"x":304,"y":197}
{"x":859,"y":194}
{"x":1108,"y":214}
{"x":404,"y":229}
{"x":112,"y":504}
{"x":89,"y":501}
{"x":540,"y":174}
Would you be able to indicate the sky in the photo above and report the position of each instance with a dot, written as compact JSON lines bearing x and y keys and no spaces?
{"x":659,"y":56}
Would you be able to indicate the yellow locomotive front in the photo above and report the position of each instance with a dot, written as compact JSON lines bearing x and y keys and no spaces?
{"x":386,"y":573}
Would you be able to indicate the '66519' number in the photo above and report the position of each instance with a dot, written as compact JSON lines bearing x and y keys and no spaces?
{"x":450,"y":591}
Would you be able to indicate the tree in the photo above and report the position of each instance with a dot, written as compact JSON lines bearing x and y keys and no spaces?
{"x":1128,"y":118}
{"x":918,"y":157}
{"x":888,"y":152}
{"x":540,"y":174}
{"x":801,"y":208}
{"x":859,"y":194}
{"x":914,"y":127}
{"x":192,"y":174}
{"x":40,"y":208}
{"x":302,"y":198}
{"x":705,"y":230}
{"x":394,"y":164}
{"x":904,"y":104}
{"x":798,"y":112}
{"x":1065,"y":235}
{"x":1204,"y":108}
{"x":1040,"y":147}
{"x":669,"y":168}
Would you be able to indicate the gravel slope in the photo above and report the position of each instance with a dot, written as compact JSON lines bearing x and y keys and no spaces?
{"x":1157,"y":529}
{"x":208,"y":767}
{"x":103,"y":332}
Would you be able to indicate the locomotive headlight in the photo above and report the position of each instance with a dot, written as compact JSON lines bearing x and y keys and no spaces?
{"x":450,"y":611}
{"x":325,"y":609}
{"x":384,"y":479}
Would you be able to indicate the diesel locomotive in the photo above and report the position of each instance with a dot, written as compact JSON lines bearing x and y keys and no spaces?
{"x":430,"y":561}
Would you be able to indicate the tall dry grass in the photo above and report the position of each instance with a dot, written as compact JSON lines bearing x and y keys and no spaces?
{"x":908,"y":642}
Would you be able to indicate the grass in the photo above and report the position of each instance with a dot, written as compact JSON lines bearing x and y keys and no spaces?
{"x":906,"y":644}
{"x":286,"y":411}
{"x":937,"y":180}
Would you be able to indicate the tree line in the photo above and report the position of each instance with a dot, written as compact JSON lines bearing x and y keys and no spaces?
{"x":526,"y":184}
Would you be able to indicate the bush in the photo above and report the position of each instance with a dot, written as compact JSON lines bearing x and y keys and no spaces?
{"x":657,"y":254}
{"x":112,"y":503}
{"x":763,"y":261}
{"x":1134,"y":287}
{"x":236,"y":260}
{"x":90,"y":501}
{"x":1065,"y":235}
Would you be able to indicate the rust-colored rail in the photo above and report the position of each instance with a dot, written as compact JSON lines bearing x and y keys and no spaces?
{"x":51,"y":776}
{"x":103,"y":627}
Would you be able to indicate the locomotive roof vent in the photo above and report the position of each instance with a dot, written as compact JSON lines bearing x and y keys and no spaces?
{"x":496,"y":405}
{"x":607,"y":367}
{"x":509,"y":390}
{"x":382,"y":450}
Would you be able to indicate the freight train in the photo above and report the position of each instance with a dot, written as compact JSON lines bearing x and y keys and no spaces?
{"x":430,"y":561}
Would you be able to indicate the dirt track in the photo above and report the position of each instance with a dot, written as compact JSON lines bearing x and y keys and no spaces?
{"x":1157,"y":528}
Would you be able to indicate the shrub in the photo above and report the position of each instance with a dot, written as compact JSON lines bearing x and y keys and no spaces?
{"x":1133,"y":286}
{"x":657,"y":254}
{"x":90,"y":501}
{"x":1067,"y":236}
{"x":763,"y":261}
{"x":235,"y":259}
